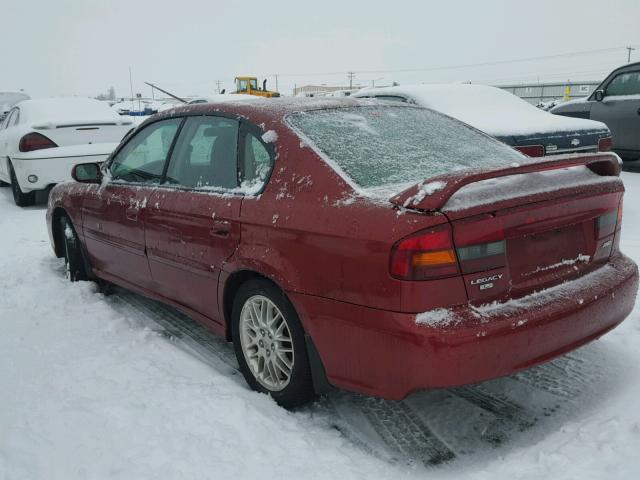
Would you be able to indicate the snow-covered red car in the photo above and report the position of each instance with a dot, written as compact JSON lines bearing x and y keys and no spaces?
{"x":502,"y":115}
{"x":375,"y":247}
{"x":41,"y":140}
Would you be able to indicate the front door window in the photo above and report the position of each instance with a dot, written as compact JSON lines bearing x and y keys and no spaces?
{"x":624,"y":84}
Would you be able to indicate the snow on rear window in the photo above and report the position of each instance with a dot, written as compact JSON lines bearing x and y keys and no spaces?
{"x":391,"y":145}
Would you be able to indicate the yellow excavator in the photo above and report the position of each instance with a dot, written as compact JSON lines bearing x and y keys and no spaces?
{"x":249,"y":86}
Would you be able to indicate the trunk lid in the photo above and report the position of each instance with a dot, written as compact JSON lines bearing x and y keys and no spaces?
{"x":65,"y":133}
{"x":526,"y":228}
{"x":562,"y":141}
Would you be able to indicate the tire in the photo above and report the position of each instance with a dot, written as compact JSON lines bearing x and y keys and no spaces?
{"x":73,"y":257}
{"x":20,"y":199}
{"x":279,"y":368}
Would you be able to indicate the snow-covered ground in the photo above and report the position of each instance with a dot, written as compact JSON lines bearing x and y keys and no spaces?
{"x":95,"y":387}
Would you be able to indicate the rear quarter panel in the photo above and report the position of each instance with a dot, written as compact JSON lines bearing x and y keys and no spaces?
{"x":312,"y":234}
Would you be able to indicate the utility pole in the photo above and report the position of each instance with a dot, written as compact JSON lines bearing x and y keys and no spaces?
{"x":276,"y":75}
{"x":131,"y":85}
{"x":629,"y":50}
{"x":351,"y":75}
{"x":218,"y":84}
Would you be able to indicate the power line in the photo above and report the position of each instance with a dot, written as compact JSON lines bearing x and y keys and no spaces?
{"x":468,"y":65}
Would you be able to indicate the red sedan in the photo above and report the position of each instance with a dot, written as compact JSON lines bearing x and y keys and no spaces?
{"x":373,"y":247}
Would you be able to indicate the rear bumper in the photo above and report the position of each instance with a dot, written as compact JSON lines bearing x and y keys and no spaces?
{"x":386,"y":354}
{"x":49,"y":171}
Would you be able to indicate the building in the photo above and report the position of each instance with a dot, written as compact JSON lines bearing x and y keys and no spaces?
{"x":536,"y":93}
{"x":320,"y":90}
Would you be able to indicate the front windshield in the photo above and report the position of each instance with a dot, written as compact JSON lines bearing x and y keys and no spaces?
{"x":386,"y":144}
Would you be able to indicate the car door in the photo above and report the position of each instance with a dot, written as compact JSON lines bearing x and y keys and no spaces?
{"x":193,"y":217}
{"x":114,"y":214}
{"x":620,"y":110}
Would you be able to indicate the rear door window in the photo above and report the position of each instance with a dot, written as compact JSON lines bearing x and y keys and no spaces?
{"x":256,"y":165}
{"x":143,"y":158}
{"x":206,"y":154}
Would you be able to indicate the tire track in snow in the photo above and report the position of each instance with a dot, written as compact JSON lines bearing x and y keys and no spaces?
{"x":403,"y":430}
{"x":398,"y":432}
{"x":499,"y":405}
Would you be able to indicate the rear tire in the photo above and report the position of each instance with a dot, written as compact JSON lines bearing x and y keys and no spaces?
{"x":73,"y":257}
{"x":20,"y":199}
{"x":269,"y":343}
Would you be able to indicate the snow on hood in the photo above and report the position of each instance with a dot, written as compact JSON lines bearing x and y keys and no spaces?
{"x":490,"y":109}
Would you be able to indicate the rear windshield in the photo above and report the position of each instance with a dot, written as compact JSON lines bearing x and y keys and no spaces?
{"x":387,"y":145}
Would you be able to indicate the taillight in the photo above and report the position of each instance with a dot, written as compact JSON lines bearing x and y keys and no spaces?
{"x":425,"y":255}
{"x":606,"y":224}
{"x":619,"y":221}
{"x":605,"y":144}
{"x":35,"y":141}
{"x":531,"y":150}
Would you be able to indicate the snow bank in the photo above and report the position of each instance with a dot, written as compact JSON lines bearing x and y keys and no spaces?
{"x":90,"y":390}
{"x":89,"y":393}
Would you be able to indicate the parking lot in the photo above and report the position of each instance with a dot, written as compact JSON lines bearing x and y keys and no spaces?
{"x":114,"y":386}
{"x":347,"y":240}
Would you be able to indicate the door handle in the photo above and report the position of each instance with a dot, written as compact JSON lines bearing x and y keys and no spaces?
{"x":132,"y":213}
{"x":221,"y":228}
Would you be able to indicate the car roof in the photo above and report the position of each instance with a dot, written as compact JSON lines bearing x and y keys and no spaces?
{"x":266,"y":109}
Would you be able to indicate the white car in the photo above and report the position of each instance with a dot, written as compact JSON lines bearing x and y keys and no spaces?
{"x":42,"y":140}
{"x":504,"y":116}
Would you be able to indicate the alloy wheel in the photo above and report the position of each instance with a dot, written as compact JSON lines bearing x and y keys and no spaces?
{"x":266,"y":343}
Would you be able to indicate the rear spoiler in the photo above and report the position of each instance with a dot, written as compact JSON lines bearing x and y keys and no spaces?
{"x":433,"y":194}
{"x":83,"y":123}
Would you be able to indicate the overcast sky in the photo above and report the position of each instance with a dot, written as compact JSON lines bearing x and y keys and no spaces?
{"x":75,"y":47}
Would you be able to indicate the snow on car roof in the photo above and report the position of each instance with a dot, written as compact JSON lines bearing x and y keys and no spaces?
{"x":223,"y":97}
{"x":272,"y":108}
{"x":68,"y":109}
{"x":490,"y":109}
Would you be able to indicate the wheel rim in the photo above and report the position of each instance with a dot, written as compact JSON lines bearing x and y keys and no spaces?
{"x":266,"y":342}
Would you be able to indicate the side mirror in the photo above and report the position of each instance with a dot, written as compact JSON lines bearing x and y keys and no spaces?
{"x":87,"y":173}
{"x":598,"y":95}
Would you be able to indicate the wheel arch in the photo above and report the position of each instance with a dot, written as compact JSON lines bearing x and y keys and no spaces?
{"x":231,"y":286}
{"x":56,"y":230}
